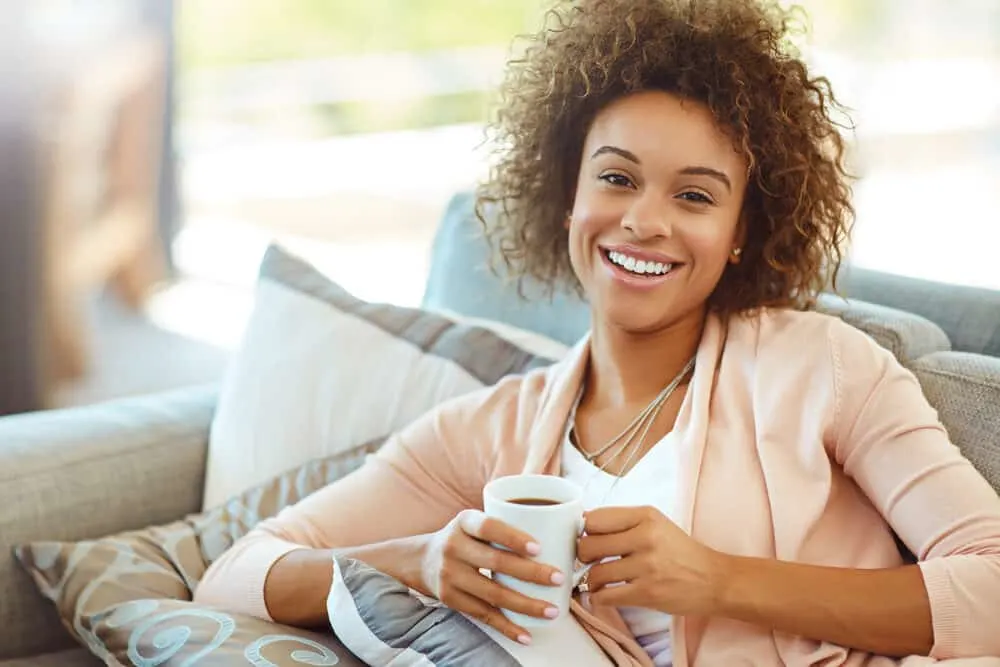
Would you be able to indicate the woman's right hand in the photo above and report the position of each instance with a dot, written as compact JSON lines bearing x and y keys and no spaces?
{"x":455,"y":555}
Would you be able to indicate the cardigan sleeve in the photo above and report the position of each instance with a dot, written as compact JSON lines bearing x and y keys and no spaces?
{"x":889,"y":440}
{"x":420,"y":479}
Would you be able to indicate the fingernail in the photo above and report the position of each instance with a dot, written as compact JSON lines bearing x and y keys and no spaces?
{"x":551,"y":612}
{"x":558,"y":578}
{"x":524,"y":639}
{"x":533,"y":548}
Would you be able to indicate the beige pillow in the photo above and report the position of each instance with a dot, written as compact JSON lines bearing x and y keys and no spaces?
{"x":97,"y":584}
{"x":319,"y":371}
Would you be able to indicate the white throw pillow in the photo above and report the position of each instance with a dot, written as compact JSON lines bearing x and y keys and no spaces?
{"x":320,"y":371}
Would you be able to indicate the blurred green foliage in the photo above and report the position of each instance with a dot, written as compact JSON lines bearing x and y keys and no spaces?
{"x":235,"y":32}
{"x":429,"y":111}
{"x":231,"y":33}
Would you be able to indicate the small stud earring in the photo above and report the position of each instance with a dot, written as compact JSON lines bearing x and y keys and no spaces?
{"x":737,"y":252}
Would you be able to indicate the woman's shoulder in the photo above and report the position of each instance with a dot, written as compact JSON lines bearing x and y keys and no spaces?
{"x":805,"y":346}
{"x":807,"y":330}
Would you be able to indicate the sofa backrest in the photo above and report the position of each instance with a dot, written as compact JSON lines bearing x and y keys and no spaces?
{"x":461,"y":281}
{"x":970,"y":316}
{"x":965,"y":390}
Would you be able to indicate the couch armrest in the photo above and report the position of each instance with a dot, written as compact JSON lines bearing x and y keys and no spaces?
{"x":88,"y":472}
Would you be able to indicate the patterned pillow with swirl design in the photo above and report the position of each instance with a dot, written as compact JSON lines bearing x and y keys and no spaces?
{"x":143,"y":580}
{"x":172,"y":632}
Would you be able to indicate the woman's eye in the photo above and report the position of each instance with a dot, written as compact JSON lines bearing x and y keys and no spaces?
{"x":618,"y":180}
{"x":696,"y":197}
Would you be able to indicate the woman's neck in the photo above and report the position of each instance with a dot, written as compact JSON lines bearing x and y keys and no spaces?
{"x":629,"y":369}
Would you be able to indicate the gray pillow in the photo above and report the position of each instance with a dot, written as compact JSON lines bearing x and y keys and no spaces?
{"x":382,"y":622}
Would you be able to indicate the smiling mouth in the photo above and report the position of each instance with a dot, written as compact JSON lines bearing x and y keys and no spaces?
{"x":638,"y":267}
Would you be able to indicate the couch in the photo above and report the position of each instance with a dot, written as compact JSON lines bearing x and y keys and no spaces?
{"x":97,"y":470}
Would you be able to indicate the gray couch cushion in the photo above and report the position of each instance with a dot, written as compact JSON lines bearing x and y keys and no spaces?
{"x":965,"y":389}
{"x":906,"y":335}
{"x":969,"y":315}
{"x":460,"y":281}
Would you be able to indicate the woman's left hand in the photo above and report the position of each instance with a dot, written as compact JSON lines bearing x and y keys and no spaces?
{"x":660,"y":566}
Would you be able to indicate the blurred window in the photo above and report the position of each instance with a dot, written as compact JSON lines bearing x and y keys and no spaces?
{"x":344,"y":127}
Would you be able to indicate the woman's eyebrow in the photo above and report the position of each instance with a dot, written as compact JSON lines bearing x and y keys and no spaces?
{"x":711,"y":173}
{"x":628,"y":155}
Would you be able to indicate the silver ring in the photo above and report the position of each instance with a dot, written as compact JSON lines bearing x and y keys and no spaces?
{"x":583,"y":585}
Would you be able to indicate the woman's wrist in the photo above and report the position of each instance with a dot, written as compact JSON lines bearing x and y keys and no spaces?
{"x":723,"y":571}
{"x":402,"y":559}
{"x":297,"y":586}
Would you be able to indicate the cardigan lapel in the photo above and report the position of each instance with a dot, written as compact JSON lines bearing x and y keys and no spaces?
{"x":562,"y":382}
{"x":692,"y":421}
{"x":692,"y":424}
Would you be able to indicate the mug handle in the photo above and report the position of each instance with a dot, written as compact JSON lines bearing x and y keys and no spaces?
{"x":580,"y":571}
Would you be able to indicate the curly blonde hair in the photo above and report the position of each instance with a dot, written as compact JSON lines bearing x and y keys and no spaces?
{"x":732,"y":56}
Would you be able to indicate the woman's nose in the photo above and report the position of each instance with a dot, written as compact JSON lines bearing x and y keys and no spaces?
{"x":648,"y":218}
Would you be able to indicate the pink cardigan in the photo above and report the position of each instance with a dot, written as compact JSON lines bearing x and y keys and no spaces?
{"x":797,"y":429}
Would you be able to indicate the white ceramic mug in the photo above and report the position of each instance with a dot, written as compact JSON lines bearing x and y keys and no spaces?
{"x":554,"y":527}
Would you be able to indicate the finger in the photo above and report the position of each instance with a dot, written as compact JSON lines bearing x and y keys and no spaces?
{"x":615,"y":519}
{"x":487,"y":529}
{"x":497,"y":595}
{"x":491,"y":616}
{"x":488,"y":557}
{"x":613,"y":572}
{"x":626,"y":595}
{"x":593,"y":548}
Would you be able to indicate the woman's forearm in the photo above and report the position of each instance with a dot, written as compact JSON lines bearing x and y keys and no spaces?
{"x":298,"y":584}
{"x":885,"y":612}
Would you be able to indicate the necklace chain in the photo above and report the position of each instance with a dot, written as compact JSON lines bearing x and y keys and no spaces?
{"x":643,"y":421}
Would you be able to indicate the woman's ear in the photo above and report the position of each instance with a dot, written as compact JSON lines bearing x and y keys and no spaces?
{"x":739,"y":240}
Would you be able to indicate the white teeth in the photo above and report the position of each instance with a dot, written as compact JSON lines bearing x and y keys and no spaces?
{"x":639,"y":266}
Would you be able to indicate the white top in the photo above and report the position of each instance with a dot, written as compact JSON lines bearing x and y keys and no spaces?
{"x":651,"y":481}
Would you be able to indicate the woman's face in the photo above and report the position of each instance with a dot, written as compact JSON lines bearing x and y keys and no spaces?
{"x":656,"y":215}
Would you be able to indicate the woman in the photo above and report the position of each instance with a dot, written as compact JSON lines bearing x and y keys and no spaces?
{"x":675,"y":163}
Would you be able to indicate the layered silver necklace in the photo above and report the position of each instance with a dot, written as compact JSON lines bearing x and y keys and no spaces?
{"x":632,"y":437}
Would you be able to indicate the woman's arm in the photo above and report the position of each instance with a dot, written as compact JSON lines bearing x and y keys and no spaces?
{"x":885,"y":612}
{"x":418,"y":482}
{"x":888,"y":439}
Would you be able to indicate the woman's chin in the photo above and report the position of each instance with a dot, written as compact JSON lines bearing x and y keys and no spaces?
{"x":643,"y":318}
{"x":636,"y":323}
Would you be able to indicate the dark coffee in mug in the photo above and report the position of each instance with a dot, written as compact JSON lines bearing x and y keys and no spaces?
{"x":533,"y":501}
